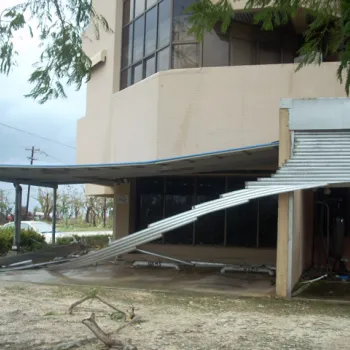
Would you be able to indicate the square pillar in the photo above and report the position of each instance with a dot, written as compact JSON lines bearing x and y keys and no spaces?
{"x":121,"y":210}
{"x":285,"y":201}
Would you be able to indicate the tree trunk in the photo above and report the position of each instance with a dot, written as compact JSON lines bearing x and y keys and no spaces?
{"x":87,"y":215}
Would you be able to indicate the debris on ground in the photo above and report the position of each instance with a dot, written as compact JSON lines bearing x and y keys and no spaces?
{"x":49,"y":255}
{"x":36,"y":317}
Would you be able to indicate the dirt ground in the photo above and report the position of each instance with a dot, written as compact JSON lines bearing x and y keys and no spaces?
{"x":35,"y":317}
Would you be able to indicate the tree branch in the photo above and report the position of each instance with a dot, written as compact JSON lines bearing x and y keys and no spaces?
{"x":104,"y":338}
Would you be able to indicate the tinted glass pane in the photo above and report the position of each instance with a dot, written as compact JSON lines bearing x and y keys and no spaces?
{"x":180,"y":21}
{"x":185,"y":56}
{"x":139,"y":7}
{"x":216,"y":50}
{"x":164,"y":23}
{"x":209,"y":229}
{"x":269,"y":53}
{"x":150,"y":3}
{"x":151,"y":31}
{"x":242,"y":220}
{"x":268,"y":213}
{"x":242,"y":225}
{"x":137,"y":72}
{"x":138,"y":38}
{"x":150,"y":201}
{"x":127,"y":46}
{"x":179,"y":198}
{"x":150,"y":66}
{"x":243,"y":52}
{"x":126,"y":78}
{"x":128,"y":11}
{"x":163,"y":59}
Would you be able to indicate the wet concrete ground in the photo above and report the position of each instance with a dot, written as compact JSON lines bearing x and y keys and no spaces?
{"x":124,"y":276}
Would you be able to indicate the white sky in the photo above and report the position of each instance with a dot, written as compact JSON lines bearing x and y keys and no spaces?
{"x":54,"y":120}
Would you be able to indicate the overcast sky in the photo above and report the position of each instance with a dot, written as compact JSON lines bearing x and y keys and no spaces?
{"x":55,"y":120}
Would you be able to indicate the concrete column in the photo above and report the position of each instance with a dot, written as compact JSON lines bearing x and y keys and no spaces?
{"x":283,"y":210}
{"x":18,"y":217}
{"x":121,"y":210}
{"x":54,"y":215}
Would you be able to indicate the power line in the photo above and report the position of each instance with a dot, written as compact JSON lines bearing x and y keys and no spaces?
{"x":41,"y":137}
{"x":48,"y":155}
{"x":32,"y":150}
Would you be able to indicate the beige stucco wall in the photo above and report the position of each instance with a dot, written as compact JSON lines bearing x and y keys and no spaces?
{"x":181,"y":112}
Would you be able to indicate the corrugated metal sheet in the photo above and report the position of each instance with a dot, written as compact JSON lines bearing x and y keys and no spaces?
{"x":318,"y":159}
{"x":156,"y":230}
{"x":321,"y":156}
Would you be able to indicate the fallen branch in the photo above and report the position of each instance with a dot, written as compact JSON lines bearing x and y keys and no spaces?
{"x":101,"y":335}
{"x":76,"y":303}
{"x":95,"y":296}
{"x":92,"y":340}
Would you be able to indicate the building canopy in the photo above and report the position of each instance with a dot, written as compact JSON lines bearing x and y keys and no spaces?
{"x":264,"y":156}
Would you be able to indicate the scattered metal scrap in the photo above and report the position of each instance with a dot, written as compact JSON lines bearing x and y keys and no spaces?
{"x":33,"y":266}
{"x":179,"y":264}
{"x":48,"y":256}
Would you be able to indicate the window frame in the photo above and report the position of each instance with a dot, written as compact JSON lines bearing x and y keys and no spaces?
{"x":155,"y":53}
{"x":145,"y":57}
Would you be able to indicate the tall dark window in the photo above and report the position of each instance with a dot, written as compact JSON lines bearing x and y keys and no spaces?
{"x":242,"y":220}
{"x":155,"y":38}
{"x":146,"y":39}
{"x":186,"y":50}
{"x":250,"y":225}
{"x":209,"y":229}
{"x":179,"y":198}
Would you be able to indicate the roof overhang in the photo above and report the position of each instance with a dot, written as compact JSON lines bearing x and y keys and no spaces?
{"x":258,"y":157}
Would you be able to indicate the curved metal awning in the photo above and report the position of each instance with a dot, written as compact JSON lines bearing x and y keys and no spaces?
{"x":257,"y":157}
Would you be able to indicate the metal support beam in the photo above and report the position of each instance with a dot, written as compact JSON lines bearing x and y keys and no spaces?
{"x":18,"y":209}
{"x":54,"y":212}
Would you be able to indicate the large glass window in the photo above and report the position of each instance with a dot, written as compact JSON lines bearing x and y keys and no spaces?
{"x":250,"y":225}
{"x":156,"y":37}
{"x":150,"y":202}
{"x":179,"y":198}
{"x":242,"y":227}
{"x":154,"y":41}
{"x":146,"y":39}
{"x":209,"y":229}
{"x":181,"y":21}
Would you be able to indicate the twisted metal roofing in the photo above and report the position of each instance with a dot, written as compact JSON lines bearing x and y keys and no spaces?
{"x":318,"y":159}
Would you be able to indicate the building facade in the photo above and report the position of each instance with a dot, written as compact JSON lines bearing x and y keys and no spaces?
{"x":157,"y":93}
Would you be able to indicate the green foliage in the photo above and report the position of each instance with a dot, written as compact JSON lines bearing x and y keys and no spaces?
{"x":93,"y":241}
{"x":5,"y":206}
{"x":30,"y":240}
{"x":205,"y":15}
{"x":328,"y":31}
{"x":6,"y":238}
{"x":60,"y":26}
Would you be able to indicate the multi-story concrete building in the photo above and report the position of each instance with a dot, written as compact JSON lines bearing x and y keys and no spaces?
{"x":156,"y":93}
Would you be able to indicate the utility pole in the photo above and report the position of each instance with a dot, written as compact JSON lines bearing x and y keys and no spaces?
{"x":32,"y":150}
{"x":104,"y":212}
